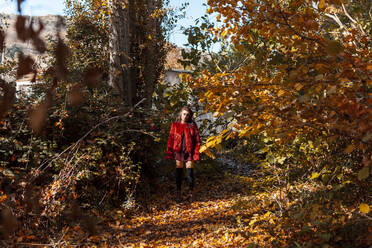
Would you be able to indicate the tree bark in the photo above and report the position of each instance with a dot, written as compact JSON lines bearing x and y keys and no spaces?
{"x":119,"y":43}
{"x":136,"y":50}
{"x":151,"y":61}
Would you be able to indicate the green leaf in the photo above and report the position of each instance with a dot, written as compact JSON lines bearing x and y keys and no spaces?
{"x":363,"y":173}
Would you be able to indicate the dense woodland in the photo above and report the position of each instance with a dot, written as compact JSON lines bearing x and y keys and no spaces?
{"x":286,"y":159}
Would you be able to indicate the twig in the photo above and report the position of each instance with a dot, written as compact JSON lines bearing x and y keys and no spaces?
{"x":296,"y":32}
{"x":121,"y":244}
{"x":277,"y":202}
{"x":139,"y":131}
{"x":59,"y":241}
{"x":102,"y":199}
{"x":239,"y":64}
{"x":347,"y":14}
{"x":338,"y":21}
{"x":353,"y":20}
{"x":364,"y":215}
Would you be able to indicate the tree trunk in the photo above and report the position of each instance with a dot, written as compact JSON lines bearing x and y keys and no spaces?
{"x":136,"y":50}
{"x":119,"y":42}
{"x":151,"y":57}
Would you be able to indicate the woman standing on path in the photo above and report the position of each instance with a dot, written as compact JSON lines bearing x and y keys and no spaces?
{"x":183,"y":146}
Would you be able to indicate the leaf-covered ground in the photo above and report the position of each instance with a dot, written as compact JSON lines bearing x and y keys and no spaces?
{"x":229,"y":210}
{"x":209,"y":220}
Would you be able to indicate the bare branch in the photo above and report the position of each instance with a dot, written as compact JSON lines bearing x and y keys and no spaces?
{"x":347,"y":14}
{"x":337,"y":20}
{"x":353,"y":20}
{"x":139,"y":131}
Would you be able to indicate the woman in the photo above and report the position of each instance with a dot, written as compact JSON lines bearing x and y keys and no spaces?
{"x":183,"y":146}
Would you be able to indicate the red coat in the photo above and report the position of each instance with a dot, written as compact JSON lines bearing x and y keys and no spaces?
{"x":191,"y":133}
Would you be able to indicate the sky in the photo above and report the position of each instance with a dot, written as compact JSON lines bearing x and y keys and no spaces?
{"x":55,"y":7}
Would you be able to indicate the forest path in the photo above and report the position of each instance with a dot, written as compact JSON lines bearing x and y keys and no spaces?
{"x":209,"y":220}
{"x":213,"y":219}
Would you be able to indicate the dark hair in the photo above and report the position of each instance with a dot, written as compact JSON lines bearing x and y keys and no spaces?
{"x":188,"y":109}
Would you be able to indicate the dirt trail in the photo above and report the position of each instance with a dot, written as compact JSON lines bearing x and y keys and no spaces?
{"x":207,"y":221}
{"x":210,"y":220}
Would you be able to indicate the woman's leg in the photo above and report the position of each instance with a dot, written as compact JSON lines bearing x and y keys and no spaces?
{"x":190,"y":164}
{"x":190,"y":175}
{"x":179,"y":164}
{"x":179,"y":172}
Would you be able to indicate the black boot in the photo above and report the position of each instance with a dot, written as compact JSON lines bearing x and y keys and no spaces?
{"x":179,"y":172}
{"x":190,"y":180}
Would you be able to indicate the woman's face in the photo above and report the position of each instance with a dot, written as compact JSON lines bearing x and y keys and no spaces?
{"x":185,"y":115}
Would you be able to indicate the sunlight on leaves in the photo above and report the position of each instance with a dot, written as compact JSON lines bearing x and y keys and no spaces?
{"x":364,"y":208}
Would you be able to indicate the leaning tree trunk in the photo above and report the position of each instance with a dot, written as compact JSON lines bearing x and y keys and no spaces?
{"x":119,"y":43}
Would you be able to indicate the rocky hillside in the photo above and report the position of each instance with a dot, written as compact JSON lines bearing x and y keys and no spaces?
{"x":13,"y":45}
